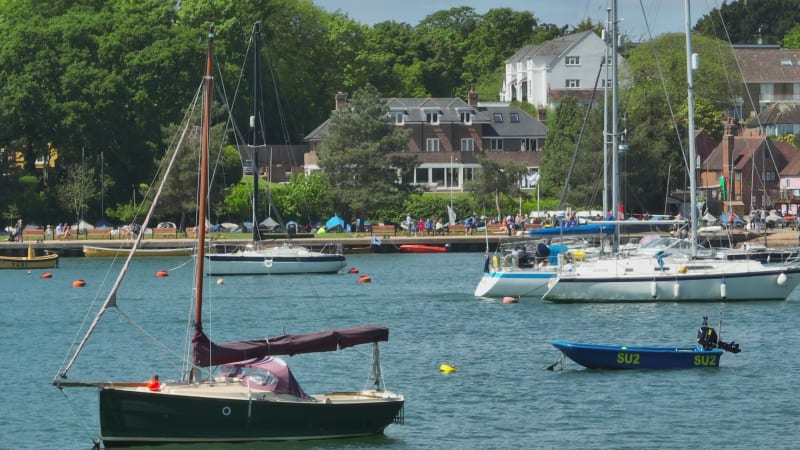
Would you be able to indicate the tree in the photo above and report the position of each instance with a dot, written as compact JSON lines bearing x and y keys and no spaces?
{"x":792,"y":38}
{"x":748,"y":22}
{"x":307,"y":198}
{"x":497,"y":181}
{"x":77,"y":188}
{"x":361,"y":156}
{"x":563,"y":129}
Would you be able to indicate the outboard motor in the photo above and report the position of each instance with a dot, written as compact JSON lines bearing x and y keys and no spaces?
{"x":708,"y":339}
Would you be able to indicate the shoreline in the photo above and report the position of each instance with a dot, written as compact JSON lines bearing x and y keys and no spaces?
{"x":358,"y":243}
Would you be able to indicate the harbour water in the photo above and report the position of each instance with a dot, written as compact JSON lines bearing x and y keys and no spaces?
{"x":501,"y":397}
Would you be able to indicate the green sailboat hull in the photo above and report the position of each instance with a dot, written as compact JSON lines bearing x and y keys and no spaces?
{"x":131,"y":417}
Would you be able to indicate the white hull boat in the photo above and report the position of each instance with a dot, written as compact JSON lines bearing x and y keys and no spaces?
{"x":278,"y":260}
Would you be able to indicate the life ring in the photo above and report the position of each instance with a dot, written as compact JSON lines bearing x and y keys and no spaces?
{"x":496,"y":262}
{"x":268,"y":263}
{"x":510,"y":261}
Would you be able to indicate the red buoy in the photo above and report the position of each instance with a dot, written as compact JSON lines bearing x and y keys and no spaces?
{"x":352,"y":270}
{"x":162,"y":273}
{"x":78,"y":283}
{"x":364,"y":279}
{"x":46,"y":275}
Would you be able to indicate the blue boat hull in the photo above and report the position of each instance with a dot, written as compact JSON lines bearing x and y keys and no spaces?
{"x":596,"y":356}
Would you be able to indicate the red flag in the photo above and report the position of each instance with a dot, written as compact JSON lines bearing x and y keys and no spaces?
{"x":620,"y":211}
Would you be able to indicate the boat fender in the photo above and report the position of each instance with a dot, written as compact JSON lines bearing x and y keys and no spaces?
{"x":653,"y":289}
{"x":683,"y":269}
{"x":509,"y":261}
{"x":723,"y":289}
{"x":782,"y":279}
{"x":676,"y":290}
{"x":78,"y":283}
{"x":162,"y":274}
{"x":364,"y":279}
{"x":46,"y":275}
{"x":496,"y":262}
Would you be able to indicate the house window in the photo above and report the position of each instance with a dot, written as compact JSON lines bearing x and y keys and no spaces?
{"x":467,"y":145}
{"x":786,"y":62}
{"x":573,"y":60}
{"x":573,"y":83}
{"x":399,"y":118}
{"x":432,"y":118}
{"x":432,"y":145}
{"x":466,"y":117}
{"x":770,"y":176}
{"x":495,"y":144}
{"x":498,"y":117}
{"x":514,"y":117}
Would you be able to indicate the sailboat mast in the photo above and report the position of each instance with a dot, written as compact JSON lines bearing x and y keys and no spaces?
{"x":255,"y":124}
{"x":614,"y":121}
{"x":203,"y":201}
{"x":690,"y":66}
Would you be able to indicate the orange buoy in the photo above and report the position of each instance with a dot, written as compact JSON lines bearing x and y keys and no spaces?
{"x":78,"y":283}
{"x":162,"y":273}
{"x":509,"y":300}
{"x":364,"y":279}
{"x":46,"y":275}
{"x":352,"y":270}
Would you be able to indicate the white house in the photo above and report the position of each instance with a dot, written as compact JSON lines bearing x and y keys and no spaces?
{"x":568,"y":66}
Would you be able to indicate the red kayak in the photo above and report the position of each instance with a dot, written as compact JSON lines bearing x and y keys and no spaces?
{"x":422,"y":248}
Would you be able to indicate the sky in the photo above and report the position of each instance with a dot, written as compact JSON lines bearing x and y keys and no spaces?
{"x":663,"y":16}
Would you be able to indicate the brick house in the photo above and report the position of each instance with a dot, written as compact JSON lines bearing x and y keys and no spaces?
{"x":753,"y":166}
{"x":771,"y":75}
{"x":449,"y":133}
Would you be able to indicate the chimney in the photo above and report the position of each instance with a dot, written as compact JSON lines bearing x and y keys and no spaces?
{"x":341,"y":100}
{"x":541,"y":115}
{"x":472,"y":99}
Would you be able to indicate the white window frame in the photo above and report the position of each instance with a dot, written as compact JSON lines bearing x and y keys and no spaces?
{"x":399,"y":118}
{"x":495,"y":144}
{"x":466,"y":117}
{"x":572,"y":60}
{"x":467,"y":145}
{"x":432,"y":117}
{"x":432,"y":145}
{"x":572,"y":84}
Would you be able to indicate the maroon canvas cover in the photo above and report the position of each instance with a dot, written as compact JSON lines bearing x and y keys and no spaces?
{"x":208,"y":353}
{"x":277,"y":377}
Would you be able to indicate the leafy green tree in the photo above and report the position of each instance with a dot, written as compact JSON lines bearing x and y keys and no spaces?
{"x":563,"y":129}
{"x":361,"y":156}
{"x":747,"y":22}
{"x":306,"y":199}
{"x":792,"y":38}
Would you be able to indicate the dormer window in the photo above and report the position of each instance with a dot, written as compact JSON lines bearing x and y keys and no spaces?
{"x":514,"y":117}
{"x":573,"y":60}
{"x":432,"y":117}
{"x":786,"y":62}
{"x":399,"y":118}
{"x":466,"y":117}
{"x":498,"y":117}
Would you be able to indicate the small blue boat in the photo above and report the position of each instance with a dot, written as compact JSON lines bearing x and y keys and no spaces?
{"x":707,"y":353}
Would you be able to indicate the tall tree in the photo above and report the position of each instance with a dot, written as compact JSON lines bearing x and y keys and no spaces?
{"x":750,"y":22}
{"x":361,"y":156}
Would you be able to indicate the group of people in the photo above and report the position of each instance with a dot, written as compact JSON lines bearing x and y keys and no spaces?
{"x":428,"y":226}
{"x":63,"y":231}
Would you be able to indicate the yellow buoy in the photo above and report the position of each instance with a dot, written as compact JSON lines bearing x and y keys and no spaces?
{"x":448,"y":368}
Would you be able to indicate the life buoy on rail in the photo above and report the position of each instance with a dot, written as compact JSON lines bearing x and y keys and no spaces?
{"x":510,"y":261}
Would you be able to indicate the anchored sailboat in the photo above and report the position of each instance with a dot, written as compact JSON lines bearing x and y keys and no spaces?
{"x":252,"y":396}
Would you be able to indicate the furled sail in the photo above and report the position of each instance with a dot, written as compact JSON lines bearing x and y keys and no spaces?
{"x":207,"y":353}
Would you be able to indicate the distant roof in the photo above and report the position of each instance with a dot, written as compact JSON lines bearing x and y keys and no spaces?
{"x":552,"y":48}
{"x":776,"y":114}
{"x":768,"y":65}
